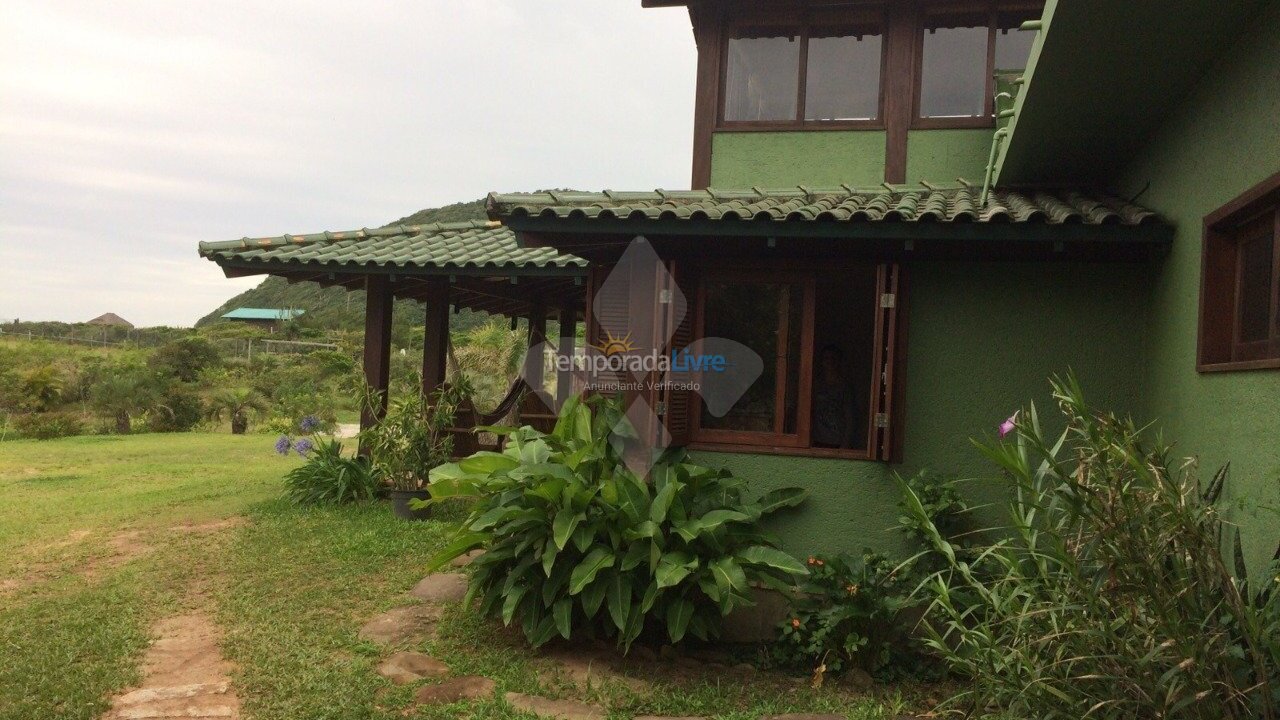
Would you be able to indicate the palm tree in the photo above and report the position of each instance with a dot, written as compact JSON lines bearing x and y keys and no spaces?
{"x":237,"y":404}
{"x":123,"y":394}
{"x":490,"y":355}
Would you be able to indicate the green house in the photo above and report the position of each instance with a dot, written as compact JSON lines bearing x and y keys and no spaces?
{"x":912,"y":213}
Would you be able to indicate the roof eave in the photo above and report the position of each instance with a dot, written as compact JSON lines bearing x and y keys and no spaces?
{"x":1152,"y":238}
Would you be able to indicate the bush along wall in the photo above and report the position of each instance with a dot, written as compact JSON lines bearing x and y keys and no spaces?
{"x":575,"y":543}
{"x":1110,"y":594}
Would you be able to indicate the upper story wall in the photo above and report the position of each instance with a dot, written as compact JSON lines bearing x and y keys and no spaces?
{"x":815,"y":92}
{"x":1219,"y":142}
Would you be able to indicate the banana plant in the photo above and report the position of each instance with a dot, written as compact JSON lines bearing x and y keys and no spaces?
{"x":574,"y":541}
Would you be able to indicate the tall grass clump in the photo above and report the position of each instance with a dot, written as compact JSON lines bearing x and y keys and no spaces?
{"x":1110,"y":595}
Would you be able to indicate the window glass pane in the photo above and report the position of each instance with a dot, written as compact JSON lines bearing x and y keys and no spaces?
{"x":953,"y":80}
{"x":1013,"y":46}
{"x":1255,"y":288}
{"x":753,"y":314}
{"x":763,"y":76}
{"x":843,"y":76}
{"x":844,"y":342}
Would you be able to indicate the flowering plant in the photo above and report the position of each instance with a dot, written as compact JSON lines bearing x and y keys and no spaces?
{"x":303,"y":445}
{"x":844,"y":616}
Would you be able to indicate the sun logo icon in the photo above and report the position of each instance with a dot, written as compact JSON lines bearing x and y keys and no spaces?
{"x":612,"y":345}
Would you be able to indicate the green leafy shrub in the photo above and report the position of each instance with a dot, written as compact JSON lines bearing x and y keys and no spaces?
{"x":575,"y":542}
{"x":41,"y":388}
{"x":179,"y":409}
{"x":859,"y":611}
{"x":412,"y":438}
{"x":185,"y":358}
{"x":1110,"y":593}
{"x":846,"y":615}
{"x":48,"y":426}
{"x":330,"y":478}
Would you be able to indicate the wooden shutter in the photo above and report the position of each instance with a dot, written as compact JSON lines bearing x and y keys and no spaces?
{"x":678,"y":405}
{"x":890,"y":361}
{"x":623,"y":303}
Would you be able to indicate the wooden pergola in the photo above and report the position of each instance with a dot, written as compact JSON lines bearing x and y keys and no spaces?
{"x":474,"y":265}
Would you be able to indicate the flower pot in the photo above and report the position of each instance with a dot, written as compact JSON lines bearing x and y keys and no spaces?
{"x":400,"y":504}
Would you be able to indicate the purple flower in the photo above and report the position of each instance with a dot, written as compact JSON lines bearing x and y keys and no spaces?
{"x":1008,"y":426}
{"x":303,"y":446}
{"x":309,"y":423}
{"x":283,"y":445}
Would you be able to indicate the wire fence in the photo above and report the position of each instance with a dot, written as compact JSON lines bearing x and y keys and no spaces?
{"x":233,"y":347}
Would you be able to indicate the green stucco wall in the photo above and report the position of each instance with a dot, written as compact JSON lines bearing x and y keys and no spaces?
{"x":855,"y":157}
{"x":984,"y":338}
{"x":778,"y":159}
{"x":941,"y":156}
{"x":1222,"y":141}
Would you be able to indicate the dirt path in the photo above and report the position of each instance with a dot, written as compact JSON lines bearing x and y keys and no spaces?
{"x":185,"y":675}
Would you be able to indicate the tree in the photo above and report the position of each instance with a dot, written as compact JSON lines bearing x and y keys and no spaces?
{"x":236,"y":404}
{"x":41,"y":388}
{"x":125,"y":393}
{"x":185,"y":358}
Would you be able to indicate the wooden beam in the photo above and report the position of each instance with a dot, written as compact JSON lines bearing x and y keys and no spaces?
{"x":377,"y":346}
{"x":707,"y":34}
{"x":435,"y":347}
{"x":565,"y":349}
{"x":533,"y":362}
{"x":899,"y":88}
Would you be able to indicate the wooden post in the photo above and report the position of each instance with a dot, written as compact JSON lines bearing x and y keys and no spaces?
{"x":533,"y":361}
{"x":435,"y":346}
{"x":568,"y":337}
{"x":377,"y":345}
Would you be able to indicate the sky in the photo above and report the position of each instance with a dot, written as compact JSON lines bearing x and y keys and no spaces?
{"x":132,"y":130}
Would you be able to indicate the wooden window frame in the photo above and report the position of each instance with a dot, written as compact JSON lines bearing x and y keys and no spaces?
{"x":802,"y":20}
{"x":993,"y":11}
{"x":1219,"y":346}
{"x":879,"y":445}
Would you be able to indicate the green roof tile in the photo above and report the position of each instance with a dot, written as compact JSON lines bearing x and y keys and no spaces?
{"x":898,"y":203}
{"x":436,"y":246}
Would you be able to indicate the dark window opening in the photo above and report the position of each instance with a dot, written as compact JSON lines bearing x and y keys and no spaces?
{"x":765,"y":317}
{"x":1013,"y":46}
{"x":965,"y":59}
{"x":816,"y":334}
{"x":843,"y":77}
{"x":953,"y":77}
{"x":1240,"y":285}
{"x":762,"y":76}
{"x":823,"y":70}
{"x":844,"y":339}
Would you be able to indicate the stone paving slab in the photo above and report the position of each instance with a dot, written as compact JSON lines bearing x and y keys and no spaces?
{"x":184,"y":675}
{"x":467,"y":687}
{"x":441,"y":588}
{"x":558,"y":709}
{"x":403,"y":625}
{"x":403,"y":668}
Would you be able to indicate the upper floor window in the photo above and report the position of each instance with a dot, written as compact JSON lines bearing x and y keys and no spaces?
{"x":1240,"y":288}
{"x":815,"y":71}
{"x":960,"y":56}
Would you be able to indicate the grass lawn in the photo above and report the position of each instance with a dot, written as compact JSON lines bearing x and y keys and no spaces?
{"x":101,"y":537}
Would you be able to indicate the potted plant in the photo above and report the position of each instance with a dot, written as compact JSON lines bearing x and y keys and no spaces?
{"x":410,"y":440}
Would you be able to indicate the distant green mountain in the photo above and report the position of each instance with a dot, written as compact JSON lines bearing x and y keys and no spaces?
{"x":335,"y":308}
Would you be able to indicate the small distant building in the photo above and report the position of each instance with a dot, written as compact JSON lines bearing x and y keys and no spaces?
{"x":269,"y":318}
{"x":111,"y":320}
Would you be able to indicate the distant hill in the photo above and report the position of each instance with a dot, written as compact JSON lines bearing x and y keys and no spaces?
{"x":335,"y":308}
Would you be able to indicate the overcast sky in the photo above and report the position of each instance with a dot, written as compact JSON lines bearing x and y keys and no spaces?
{"x":130,"y":131}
